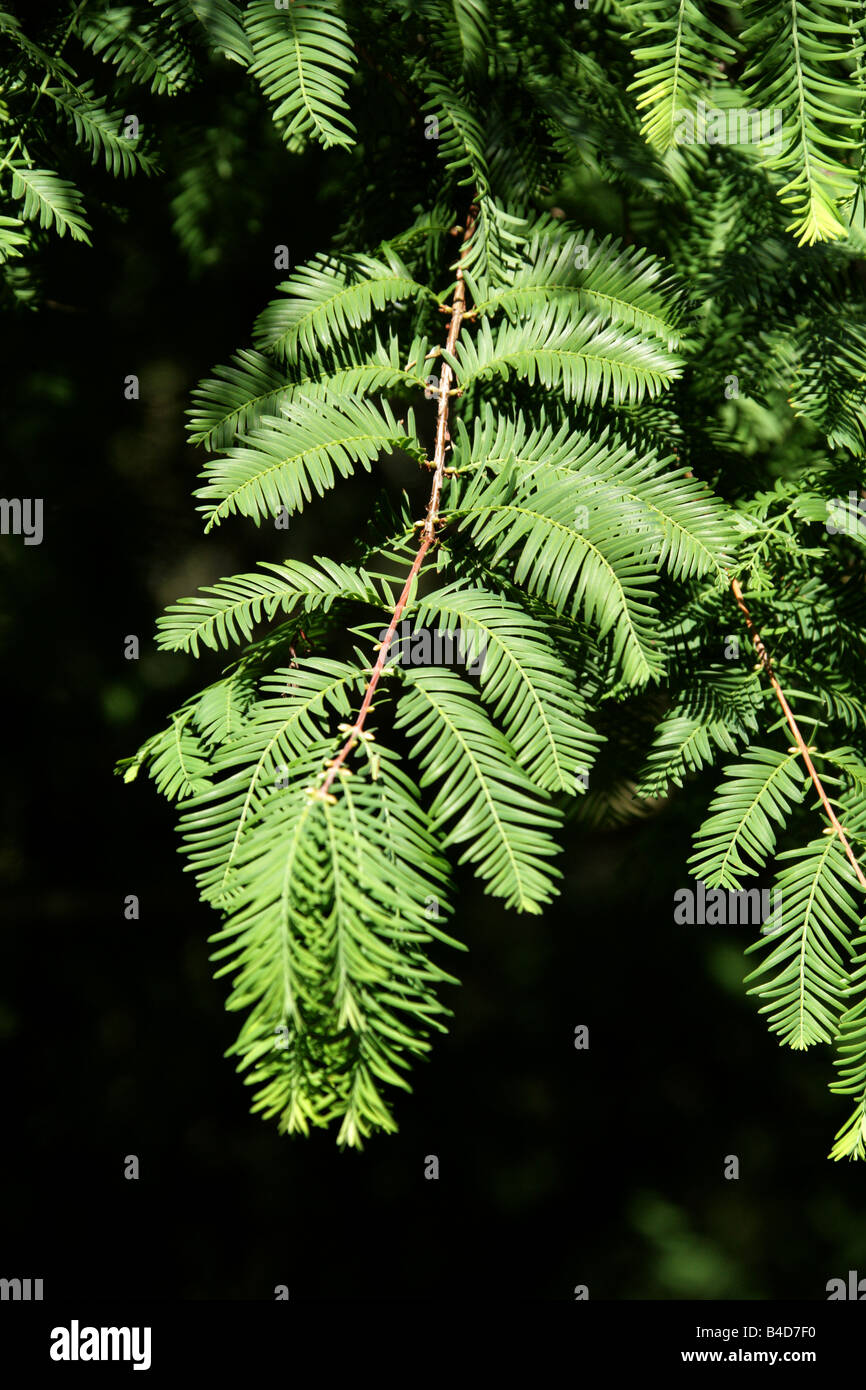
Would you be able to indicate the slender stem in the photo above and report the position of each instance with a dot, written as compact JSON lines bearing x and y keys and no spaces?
{"x":458,"y":309}
{"x":764,"y":657}
{"x":428,"y":529}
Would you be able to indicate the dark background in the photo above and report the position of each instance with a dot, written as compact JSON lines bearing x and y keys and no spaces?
{"x":557,"y":1167}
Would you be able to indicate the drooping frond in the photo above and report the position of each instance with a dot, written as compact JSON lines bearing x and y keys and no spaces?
{"x":175,"y":759}
{"x":461,"y":29}
{"x":52,"y":201}
{"x":287,"y":458}
{"x":456,"y":128}
{"x":235,"y":399}
{"x":829,"y":378}
{"x":619,"y":284}
{"x":102,"y":131}
{"x":579,"y":563}
{"x":738,"y":836}
{"x":219,"y":711}
{"x":811,"y":944}
{"x":303,"y":60}
{"x":277,"y":729}
{"x":328,"y":297}
{"x":472,"y":22}
{"x":531,"y":691}
{"x":239,"y":396}
{"x":494,"y":249}
{"x":583,"y":359}
{"x":503,"y":824}
{"x":227,"y":611}
{"x":719,"y":711}
{"x":11,"y":238}
{"x":151,"y":53}
{"x":333,"y":978}
{"x":219,"y":22}
{"x":678,"y":51}
{"x":851,"y":1062}
{"x":797,"y":50}
{"x":674,"y":519}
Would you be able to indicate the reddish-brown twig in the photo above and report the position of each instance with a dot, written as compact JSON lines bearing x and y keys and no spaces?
{"x":764,"y":658}
{"x":428,"y":529}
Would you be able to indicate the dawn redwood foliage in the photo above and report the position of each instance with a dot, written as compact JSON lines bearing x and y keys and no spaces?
{"x":600,"y":279}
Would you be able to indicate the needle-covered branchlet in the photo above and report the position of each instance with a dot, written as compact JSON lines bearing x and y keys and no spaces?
{"x":444,"y":395}
{"x":764,"y":658}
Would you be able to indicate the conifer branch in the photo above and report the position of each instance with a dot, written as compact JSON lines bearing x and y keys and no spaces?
{"x":764,"y":657}
{"x":428,"y":532}
{"x":563,"y":492}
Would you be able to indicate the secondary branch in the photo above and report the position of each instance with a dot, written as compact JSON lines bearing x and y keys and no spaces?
{"x":428,"y":529}
{"x":764,"y":657}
